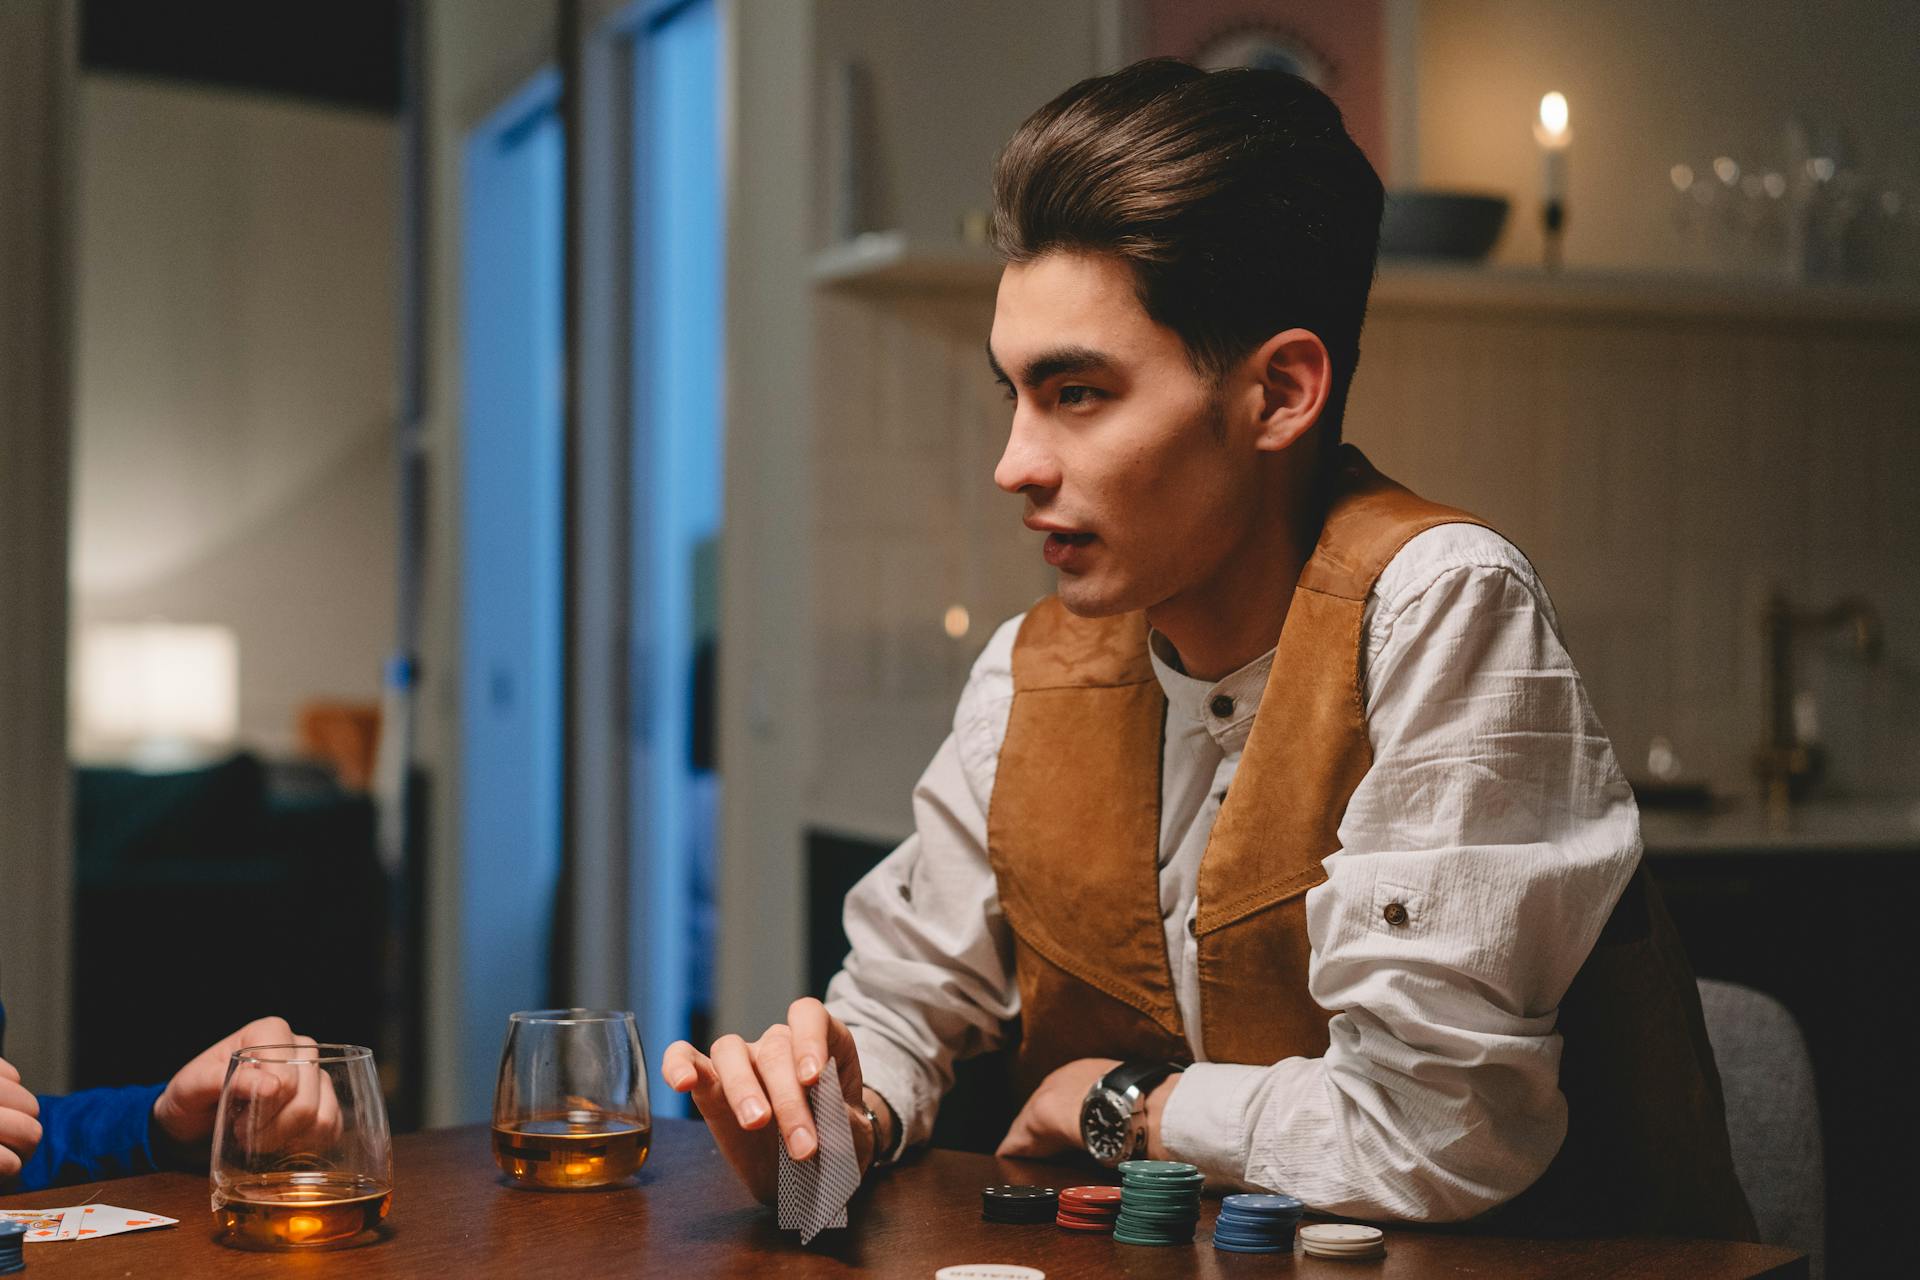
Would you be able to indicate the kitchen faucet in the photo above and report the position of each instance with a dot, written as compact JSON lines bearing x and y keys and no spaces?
{"x":1786,"y":766}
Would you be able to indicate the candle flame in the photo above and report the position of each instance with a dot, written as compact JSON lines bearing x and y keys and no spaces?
{"x":1553,"y":114}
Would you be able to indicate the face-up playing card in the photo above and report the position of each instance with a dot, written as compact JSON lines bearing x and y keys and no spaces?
{"x":82,"y":1222}
{"x":42,"y":1224}
{"x":814,"y":1192}
{"x":105,"y":1220}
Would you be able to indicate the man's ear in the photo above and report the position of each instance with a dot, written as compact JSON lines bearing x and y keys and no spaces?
{"x":1295,"y":377}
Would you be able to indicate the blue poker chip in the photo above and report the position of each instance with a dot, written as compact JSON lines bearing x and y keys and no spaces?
{"x":1252,"y":1229}
{"x":1255,"y":1225}
{"x":1226,"y":1246}
{"x":1263,"y":1204}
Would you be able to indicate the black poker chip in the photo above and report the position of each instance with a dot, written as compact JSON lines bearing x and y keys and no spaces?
{"x":1018,"y":1203}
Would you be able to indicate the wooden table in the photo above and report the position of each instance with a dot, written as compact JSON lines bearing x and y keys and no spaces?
{"x":454,"y":1215}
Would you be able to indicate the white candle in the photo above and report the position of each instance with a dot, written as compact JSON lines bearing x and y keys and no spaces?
{"x":1553,"y":135}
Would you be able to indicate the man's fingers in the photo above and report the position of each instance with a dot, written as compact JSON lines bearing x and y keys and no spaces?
{"x":9,"y":1071}
{"x":774,"y":1058}
{"x":18,"y":1097}
{"x":807,"y":1024}
{"x":680,"y":1067}
{"x":10,"y":1164}
{"x":740,"y":1082}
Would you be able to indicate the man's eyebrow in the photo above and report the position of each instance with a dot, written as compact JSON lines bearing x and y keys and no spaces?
{"x":1052,"y":364}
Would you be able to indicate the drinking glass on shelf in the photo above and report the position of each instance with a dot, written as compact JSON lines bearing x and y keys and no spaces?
{"x":571,"y":1108}
{"x":301,"y":1153}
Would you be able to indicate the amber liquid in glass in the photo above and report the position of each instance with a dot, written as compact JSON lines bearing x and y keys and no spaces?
{"x":577,"y":1149}
{"x":300,"y":1209}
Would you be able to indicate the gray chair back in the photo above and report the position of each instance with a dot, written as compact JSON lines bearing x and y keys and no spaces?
{"x":1773,"y":1115}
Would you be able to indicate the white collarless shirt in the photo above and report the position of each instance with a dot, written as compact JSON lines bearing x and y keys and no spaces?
{"x":1495,"y":817}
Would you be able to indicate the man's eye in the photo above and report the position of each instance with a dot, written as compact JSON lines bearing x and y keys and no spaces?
{"x":1073,"y":396}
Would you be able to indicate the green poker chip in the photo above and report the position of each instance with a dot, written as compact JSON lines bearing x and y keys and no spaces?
{"x":1158,"y":1168}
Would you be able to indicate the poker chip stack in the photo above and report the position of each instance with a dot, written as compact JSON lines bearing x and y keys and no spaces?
{"x":1014,"y":1202}
{"x":1159,"y":1202}
{"x":1343,"y":1240}
{"x":13,"y":1247}
{"x":1090,"y":1209}
{"x":1256,"y":1224}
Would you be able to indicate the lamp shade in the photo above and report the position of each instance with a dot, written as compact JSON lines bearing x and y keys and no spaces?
{"x":148,"y":687}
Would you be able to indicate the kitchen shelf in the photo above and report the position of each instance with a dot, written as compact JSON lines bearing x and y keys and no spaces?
{"x":890,"y":262}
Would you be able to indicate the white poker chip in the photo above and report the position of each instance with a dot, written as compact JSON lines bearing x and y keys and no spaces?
{"x":989,"y":1271}
{"x":1342,"y":1240}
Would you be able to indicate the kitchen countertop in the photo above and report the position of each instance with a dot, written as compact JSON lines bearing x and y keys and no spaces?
{"x":1844,"y":826}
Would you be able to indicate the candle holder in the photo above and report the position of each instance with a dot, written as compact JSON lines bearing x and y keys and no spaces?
{"x":1553,"y":221}
{"x":1555,"y":140}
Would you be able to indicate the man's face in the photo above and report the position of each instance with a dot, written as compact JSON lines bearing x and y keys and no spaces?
{"x":1133,"y":465}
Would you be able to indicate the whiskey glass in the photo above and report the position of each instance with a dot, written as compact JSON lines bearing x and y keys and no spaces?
{"x":302,"y":1158}
{"x":570,"y":1111}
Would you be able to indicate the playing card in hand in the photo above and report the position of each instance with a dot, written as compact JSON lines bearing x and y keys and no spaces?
{"x":814,"y":1192}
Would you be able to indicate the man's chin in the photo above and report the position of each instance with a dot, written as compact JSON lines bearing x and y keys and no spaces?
{"x":1086,"y":597}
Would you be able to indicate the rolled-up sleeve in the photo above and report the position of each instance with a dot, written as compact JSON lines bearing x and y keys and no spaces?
{"x":1480,"y":857}
{"x":929,"y":980}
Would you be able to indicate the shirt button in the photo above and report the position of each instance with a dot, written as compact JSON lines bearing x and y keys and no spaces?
{"x":1395,"y":914}
{"x":1193,"y":926}
{"x":1221,"y":706}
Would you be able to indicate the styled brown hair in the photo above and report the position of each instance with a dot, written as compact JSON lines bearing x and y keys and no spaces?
{"x":1236,"y":197}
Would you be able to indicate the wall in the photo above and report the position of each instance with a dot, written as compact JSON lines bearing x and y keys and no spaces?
{"x":1652,"y":84}
{"x":235,"y":382}
{"x":949,"y":83}
{"x":1664,"y":470}
{"x":36,"y":208}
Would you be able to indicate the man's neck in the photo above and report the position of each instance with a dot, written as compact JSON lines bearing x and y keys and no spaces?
{"x":1220,"y":625}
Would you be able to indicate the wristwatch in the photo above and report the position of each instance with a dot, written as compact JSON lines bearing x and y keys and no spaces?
{"x":1113,"y":1119}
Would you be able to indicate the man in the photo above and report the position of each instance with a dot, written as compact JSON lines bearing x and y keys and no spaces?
{"x":1275,"y":841}
{"x":113,"y":1133}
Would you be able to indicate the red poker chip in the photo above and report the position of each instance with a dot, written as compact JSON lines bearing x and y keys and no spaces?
{"x":1091,"y":1228}
{"x":1090,"y":1196}
{"x":1087,"y":1219}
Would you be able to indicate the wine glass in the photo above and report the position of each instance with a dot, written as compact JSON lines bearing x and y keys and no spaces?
{"x":301,"y":1153}
{"x":571,"y":1107}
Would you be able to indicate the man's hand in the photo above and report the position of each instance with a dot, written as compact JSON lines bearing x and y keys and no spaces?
{"x":301,"y":1099}
{"x":743,"y":1086}
{"x":1049,"y":1124}
{"x":19,"y":1123}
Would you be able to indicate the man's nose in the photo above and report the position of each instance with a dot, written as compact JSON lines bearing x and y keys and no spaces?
{"x":1026,"y":463}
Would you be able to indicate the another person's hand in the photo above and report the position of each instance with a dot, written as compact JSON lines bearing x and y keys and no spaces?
{"x":19,"y":1123}
{"x":301,"y":1099}
{"x":743,"y":1087}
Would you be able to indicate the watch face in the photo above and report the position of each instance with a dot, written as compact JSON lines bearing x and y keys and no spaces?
{"x":1106,"y":1123}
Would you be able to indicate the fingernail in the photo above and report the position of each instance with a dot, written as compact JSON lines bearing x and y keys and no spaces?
{"x":684,"y":1080}
{"x":800,"y":1144}
{"x":809,"y":1070}
{"x":751,"y":1111}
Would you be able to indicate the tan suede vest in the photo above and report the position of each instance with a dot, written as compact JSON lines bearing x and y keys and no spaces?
{"x":1073,"y":833}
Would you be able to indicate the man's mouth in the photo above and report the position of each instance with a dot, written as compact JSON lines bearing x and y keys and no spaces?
{"x":1060,"y":548}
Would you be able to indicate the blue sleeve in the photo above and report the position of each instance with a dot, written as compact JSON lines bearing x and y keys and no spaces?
{"x":91,"y":1135}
